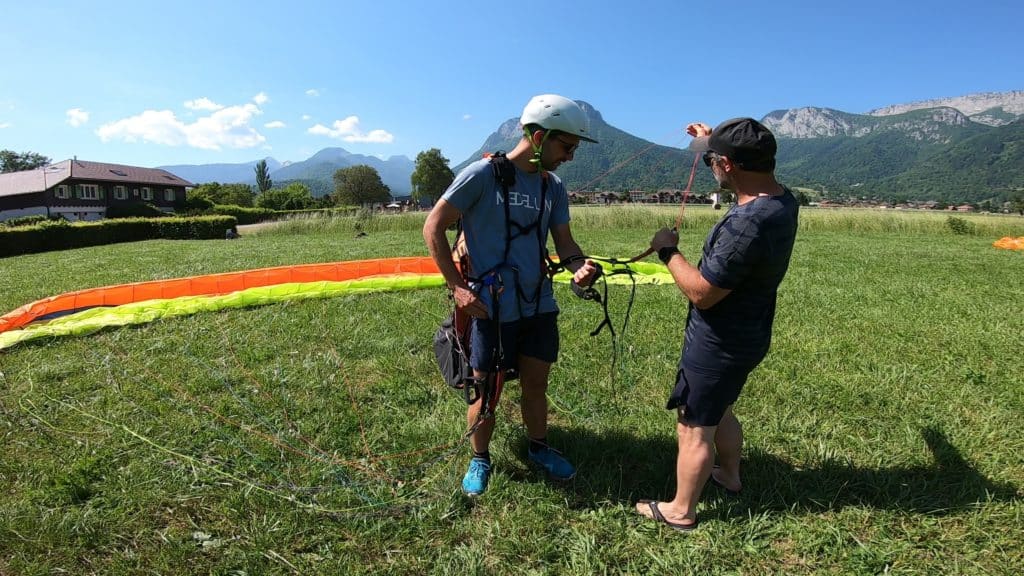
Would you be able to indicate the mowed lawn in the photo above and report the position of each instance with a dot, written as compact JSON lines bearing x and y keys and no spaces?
{"x":883,"y":431}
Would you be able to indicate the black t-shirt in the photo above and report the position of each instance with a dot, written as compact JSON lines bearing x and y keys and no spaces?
{"x":747,"y":252}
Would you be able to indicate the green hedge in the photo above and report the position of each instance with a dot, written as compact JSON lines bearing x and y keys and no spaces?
{"x":62,"y":235}
{"x":135,"y":210}
{"x":24,"y":221}
{"x":243,"y":214}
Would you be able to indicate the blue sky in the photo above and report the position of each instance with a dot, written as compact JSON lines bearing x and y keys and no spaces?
{"x":157,"y":83}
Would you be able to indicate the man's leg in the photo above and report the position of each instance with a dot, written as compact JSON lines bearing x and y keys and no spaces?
{"x":481,"y":438}
{"x":693,"y":467}
{"x":729,"y":445}
{"x":533,"y":381}
{"x":477,"y":476}
{"x":533,"y":378}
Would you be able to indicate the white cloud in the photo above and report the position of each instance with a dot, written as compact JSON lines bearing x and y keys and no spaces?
{"x":467,"y":116}
{"x":225,"y":128}
{"x":4,"y":125}
{"x":76,"y":117}
{"x":261,"y":98}
{"x":274,"y":124}
{"x":202,"y":104}
{"x":312,"y":92}
{"x":306,"y":117}
{"x":348,"y":131}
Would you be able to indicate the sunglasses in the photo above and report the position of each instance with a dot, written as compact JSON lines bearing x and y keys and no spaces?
{"x":569,"y":146}
{"x":709,"y":157}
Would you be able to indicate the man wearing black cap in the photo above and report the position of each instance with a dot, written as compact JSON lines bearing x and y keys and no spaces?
{"x":731,"y":293}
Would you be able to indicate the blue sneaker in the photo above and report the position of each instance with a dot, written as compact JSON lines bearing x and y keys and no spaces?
{"x":475,"y":481}
{"x":553,"y":463}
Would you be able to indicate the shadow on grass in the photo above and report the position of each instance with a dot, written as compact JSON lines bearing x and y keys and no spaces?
{"x":618,"y":468}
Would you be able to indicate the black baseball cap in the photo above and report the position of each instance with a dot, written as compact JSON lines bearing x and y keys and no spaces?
{"x":745,"y":141}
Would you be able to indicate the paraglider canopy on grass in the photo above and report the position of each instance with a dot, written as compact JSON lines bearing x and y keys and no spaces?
{"x":86,"y":311}
{"x":1010,"y":243}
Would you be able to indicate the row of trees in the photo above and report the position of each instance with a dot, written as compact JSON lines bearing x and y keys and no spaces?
{"x":353,"y":186}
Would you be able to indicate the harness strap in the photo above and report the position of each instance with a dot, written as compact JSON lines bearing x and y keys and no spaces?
{"x":505,"y":174}
{"x":488,"y":391}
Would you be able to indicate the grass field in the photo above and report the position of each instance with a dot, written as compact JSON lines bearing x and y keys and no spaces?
{"x":883,"y":431}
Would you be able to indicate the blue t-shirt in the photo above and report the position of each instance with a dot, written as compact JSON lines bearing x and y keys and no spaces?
{"x":479,"y":196}
{"x":747,"y":252}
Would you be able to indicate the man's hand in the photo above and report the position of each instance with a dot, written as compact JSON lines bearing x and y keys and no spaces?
{"x":586,"y":274}
{"x":698,"y":129}
{"x":664,"y":238}
{"x":468,"y":301}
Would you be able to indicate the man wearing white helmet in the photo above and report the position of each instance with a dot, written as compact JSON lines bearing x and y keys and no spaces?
{"x":506,"y":290}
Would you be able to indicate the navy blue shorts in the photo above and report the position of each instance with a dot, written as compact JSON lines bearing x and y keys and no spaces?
{"x":702,"y":395}
{"x":536,"y":337}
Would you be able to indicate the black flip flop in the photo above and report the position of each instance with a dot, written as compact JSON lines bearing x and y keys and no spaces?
{"x":658,"y":516}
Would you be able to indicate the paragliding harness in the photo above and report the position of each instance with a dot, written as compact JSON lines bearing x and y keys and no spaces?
{"x":451,"y":341}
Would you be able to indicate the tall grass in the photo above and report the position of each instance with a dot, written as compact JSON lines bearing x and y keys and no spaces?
{"x":694,"y":217}
{"x":315,"y":438}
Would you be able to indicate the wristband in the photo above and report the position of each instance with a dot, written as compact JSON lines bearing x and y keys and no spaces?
{"x":665,"y":254}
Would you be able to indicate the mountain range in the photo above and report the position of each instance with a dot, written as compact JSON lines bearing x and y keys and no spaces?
{"x":962,"y":149}
{"x":317,"y":171}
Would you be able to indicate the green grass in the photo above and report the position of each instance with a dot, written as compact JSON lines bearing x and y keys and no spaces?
{"x":883,"y":431}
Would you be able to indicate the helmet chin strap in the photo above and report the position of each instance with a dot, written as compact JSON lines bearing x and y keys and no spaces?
{"x":536,"y":148}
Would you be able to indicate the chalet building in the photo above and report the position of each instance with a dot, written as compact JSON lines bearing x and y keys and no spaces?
{"x":81,"y":190}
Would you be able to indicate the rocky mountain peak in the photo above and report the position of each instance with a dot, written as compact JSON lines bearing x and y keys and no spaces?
{"x":991,"y":108}
{"x":808,"y":122}
{"x":826,"y":123}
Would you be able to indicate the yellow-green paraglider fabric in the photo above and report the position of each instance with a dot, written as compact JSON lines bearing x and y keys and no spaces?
{"x":89,"y":321}
{"x":94,"y":319}
{"x":641,"y":272}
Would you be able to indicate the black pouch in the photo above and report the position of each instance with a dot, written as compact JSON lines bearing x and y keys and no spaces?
{"x":452,"y":355}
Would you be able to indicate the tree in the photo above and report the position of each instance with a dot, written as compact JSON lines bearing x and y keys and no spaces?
{"x":217,"y":193}
{"x":11,"y":161}
{"x":294,"y":196}
{"x":431,"y":177}
{"x":358,"y":185}
{"x":263,"y":181}
{"x":1017,"y":202}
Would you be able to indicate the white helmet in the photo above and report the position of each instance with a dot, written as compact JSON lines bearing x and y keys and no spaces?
{"x":554,"y":112}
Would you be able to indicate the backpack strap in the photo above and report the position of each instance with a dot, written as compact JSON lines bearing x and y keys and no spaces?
{"x":504,"y":170}
{"x":505,"y":174}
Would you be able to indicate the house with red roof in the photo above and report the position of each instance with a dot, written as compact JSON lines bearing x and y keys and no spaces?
{"x":83,"y":190}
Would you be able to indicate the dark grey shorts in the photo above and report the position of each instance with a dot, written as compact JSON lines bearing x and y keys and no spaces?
{"x":536,"y":337}
{"x":703,"y":395}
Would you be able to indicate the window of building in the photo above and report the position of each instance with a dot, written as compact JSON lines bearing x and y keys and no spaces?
{"x":62,"y":192}
{"x":88,"y":192}
{"x":147,"y":193}
{"x":169,"y":194}
{"x":121,"y":192}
